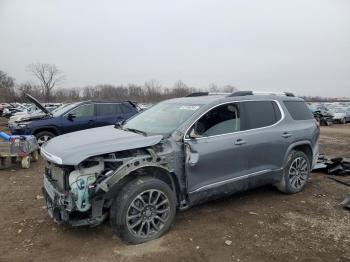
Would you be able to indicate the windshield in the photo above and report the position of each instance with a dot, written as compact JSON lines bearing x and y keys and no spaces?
{"x":63,"y":109}
{"x":162,"y":118}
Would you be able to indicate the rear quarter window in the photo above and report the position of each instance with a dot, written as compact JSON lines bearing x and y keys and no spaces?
{"x":298,"y":110}
{"x":258,"y":114}
{"x":108,"y":109}
{"x":127,"y":108}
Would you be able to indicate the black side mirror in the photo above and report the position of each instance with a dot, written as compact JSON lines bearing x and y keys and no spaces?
{"x":119,"y":124}
{"x":71,"y":116}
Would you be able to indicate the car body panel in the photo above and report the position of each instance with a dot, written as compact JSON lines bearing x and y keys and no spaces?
{"x":75,"y":147}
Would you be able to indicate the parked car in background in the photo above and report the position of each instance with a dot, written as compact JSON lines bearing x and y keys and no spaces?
{"x":72,"y":117}
{"x":341,"y":114}
{"x":176,"y":154}
{"x":32,"y":110}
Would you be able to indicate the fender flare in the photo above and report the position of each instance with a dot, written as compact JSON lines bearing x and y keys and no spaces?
{"x":45,"y":128}
{"x":293,"y":145}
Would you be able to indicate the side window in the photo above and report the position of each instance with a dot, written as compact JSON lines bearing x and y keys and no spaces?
{"x":84,"y":111}
{"x":298,"y":110}
{"x":260,"y":114}
{"x":220,"y":120}
{"x":126,"y":109}
{"x":107,"y":109}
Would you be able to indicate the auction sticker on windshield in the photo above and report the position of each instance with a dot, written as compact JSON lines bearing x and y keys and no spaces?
{"x":189,"y":108}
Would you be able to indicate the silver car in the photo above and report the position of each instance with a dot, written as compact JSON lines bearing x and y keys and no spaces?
{"x":176,"y":154}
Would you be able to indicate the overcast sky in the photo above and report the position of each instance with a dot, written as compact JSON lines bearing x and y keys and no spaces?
{"x":301,"y":46}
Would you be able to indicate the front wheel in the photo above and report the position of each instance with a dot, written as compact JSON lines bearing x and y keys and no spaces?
{"x":43,"y":137}
{"x":143,"y":210}
{"x":295,"y":173}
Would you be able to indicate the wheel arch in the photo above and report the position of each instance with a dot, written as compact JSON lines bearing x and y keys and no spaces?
{"x":51,"y":129}
{"x":151,"y":170}
{"x":303,"y":146}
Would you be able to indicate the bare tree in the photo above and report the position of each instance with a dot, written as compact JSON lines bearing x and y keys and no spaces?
{"x":48,"y":75}
{"x":7,"y":84}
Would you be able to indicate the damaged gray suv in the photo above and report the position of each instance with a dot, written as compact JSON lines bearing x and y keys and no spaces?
{"x":176,"y":154}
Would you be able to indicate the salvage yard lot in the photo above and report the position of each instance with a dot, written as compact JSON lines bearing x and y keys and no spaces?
{"x":258,"y":225}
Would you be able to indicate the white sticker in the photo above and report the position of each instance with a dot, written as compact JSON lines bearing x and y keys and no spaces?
{"x":189,"y":108}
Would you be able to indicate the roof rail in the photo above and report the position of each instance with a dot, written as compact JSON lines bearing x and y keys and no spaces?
{"x":248,"y":93}
{"x":241,"y":93}
{"x":198,"y":94}
{"x":208,"y":94}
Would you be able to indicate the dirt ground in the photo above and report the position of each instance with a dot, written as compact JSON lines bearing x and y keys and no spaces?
{"x":263,"y":224}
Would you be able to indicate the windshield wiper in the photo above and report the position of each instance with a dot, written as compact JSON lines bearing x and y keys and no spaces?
{"x":135,"y":131}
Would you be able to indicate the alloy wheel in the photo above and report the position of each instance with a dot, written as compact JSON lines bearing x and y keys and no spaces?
{"x":43,"y":139}
{"x":148,"y":213}
{"x":298,"y":173}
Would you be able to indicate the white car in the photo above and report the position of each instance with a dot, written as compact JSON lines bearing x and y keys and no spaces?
{"x":341,"y":114}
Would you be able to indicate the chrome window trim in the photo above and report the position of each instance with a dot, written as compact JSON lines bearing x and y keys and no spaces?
{"x":237,"y":132}
{"x":208,"y":186}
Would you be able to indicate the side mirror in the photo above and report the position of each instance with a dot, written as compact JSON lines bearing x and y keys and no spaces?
{"x":119,"y":124}
{"x":71,"y":116}
{"x":193,"y":134}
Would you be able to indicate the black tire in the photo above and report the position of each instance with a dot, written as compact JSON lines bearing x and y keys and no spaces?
{"x":43,"y":137}
{"x":289,"y":183}
{"x":125,"y":203}
{"x":343,"y":121}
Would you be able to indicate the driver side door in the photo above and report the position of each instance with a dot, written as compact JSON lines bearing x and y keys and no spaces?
{"x":79,"y":118}
{"x":216,"y":160}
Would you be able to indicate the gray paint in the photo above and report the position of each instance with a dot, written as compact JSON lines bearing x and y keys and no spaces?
{"x":73,"y":148}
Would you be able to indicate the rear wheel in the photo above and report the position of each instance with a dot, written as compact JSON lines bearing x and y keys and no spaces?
{"x":295,"y":174}
{"x":143,"y":210}
{"x":43,"y":137}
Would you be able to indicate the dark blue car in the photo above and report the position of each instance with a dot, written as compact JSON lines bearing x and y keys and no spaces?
{"x":72,"y":117}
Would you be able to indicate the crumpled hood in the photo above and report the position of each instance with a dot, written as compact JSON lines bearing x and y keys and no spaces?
{"x":26,"y":117}
{"x":73,"y":148}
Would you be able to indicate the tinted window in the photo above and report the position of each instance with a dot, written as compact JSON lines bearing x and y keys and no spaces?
{"x":298,"y":110}
{"x":260,"y":114}
{"x":126,"y":108}
{"x":220,"y":120}
{"x":108,"y":109}
{"x":84,"y":110}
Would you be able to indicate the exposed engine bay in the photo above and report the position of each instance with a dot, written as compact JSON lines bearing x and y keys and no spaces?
{"x":82,"y":190}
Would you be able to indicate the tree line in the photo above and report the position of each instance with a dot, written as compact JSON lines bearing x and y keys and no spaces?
{"x":48,"y":88}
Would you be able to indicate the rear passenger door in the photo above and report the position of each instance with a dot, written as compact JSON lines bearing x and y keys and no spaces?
{"x":108,"y":114}
{"x":266,"y":145}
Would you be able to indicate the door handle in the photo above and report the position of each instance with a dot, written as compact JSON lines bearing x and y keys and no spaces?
{"x":286,"y":134}
{"x":239,"y":142}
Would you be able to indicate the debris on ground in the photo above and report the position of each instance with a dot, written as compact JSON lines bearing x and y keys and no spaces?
{"x":228,"y":242}
{"x":346,"y":202}
{"x":333,"y":166}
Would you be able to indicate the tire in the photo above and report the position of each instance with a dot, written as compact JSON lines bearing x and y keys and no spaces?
{"x":35,"y":156}
{"x":25,"y":162}
{"x":343,"y":121}
{"x":295,"y":173}
{"x":44,"y":136}
{"x":147,"y":221}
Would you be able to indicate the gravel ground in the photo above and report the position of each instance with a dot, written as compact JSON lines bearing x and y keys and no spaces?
{"x":258,"y":225}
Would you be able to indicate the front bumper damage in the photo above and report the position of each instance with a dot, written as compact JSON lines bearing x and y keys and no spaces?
{"x":61,"y":207}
